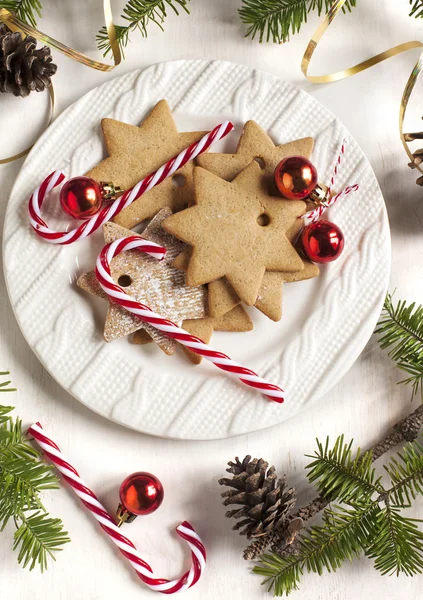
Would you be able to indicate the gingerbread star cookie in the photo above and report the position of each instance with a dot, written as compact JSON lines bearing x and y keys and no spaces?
{"x":237,"y":231}
{"x":135,"y":152}
{"x":154,"y":283}
{"x":255,"y":144}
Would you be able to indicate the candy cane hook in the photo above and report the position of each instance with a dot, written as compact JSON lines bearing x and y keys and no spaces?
{"x":107,"y":523}
{"x":143,"y":312}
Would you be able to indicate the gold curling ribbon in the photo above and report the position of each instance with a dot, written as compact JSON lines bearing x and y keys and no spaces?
{"x":15,"y":24}
{"x":312,"y":45}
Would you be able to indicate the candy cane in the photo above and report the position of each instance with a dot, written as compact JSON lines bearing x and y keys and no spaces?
{"x":108,"y":212}
{"x":107,"y":523}
{"x":143,"y":312}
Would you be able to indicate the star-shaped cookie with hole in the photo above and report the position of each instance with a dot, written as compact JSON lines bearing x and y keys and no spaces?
{"x":135,"y":152}
{"x":237,"y":231}
{"x":255,"y":144}
{"x":154,"y":283}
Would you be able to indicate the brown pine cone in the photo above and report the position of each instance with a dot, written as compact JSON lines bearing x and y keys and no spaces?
{"x":23,"y":68}
{"x":266,"y":501}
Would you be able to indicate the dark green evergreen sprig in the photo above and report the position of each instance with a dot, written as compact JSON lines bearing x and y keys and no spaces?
{"x":27,"y":10}
{"x":368,"y":521}
{"x":139,"y":14}
{"x":23,"y":476}
{"x":400,"y":328}
{"x":416,"y":8}
{"x":276,"y":20}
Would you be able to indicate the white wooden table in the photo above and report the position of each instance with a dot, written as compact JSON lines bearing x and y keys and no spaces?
{"x":363,"y":405}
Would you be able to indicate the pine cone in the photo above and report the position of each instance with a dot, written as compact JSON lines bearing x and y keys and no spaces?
{"x":265,"y":498}
{"x":23,"y":68}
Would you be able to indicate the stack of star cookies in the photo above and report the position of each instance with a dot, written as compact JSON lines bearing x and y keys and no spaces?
{"x":230,"y":237}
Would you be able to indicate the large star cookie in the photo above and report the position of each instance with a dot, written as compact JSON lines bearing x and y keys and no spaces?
{"x":154,"y":283}
{"x":237,"y":231}
{"x":255,"y":144}
{"x":135,"y":152}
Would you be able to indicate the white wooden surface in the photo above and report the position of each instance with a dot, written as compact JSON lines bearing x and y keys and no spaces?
{"x":363,"y":405}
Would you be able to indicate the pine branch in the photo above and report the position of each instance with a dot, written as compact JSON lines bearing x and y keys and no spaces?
{"x":398,"y":546}
{"x":341,"y":537}
{"x":339,"y":476}
{"x":27,"y":10}
{"x":22,"y":477}
{"x":405,"y":430}
{"x":406,"y":473}
{"x":401,"y":329}
{"x":138,"y":14}
{"x":37,"y":538}
{"x":416,"y":8}
{"x":276,"y":20}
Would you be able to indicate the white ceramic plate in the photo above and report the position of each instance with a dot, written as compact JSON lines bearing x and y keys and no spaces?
{"x":327,"y":321}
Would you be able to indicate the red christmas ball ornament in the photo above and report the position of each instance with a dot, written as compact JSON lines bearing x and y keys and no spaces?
{"x":81,"y":197}
{"x":140,"y":494}
{"x":322,"y":241}
{"x":295,"y":177}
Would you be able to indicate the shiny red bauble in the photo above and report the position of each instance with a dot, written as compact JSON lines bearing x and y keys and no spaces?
{"x":322,"y":241}
{"x":295,"y":177}
{"x":141,"y":493}
{"x":81,"y":197}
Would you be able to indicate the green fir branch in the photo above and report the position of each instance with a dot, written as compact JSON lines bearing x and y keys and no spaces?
{"x":416,"y":8}
{"x":398,"y":546}
{"x":37,"y":538}
{"x":276,"y":20}
{"x":341,"y":476}
{"x":23,"y":477}
{"x":400,"y":328}
{"x":405,"y":471}
{"x":342,"y":536}
{"x":139,"y":14}
{"x":369,"y":520}
{"x":27,"y":10}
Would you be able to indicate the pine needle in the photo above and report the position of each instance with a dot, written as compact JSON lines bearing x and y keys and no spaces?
{"x":27,"y":10}
{"x":276,"y":20}
{"x":139,"y":14}
{"x":4,"y":384}
{"x":416,"y":8}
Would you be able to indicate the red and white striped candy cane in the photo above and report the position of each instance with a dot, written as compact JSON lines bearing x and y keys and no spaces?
{"x":108,"y":212}
{"x":143,"y":312}
{"x":316,"y":213}
{"x":107,"y":523}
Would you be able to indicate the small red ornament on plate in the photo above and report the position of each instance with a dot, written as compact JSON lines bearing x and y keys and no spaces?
{"x":82,"y":197}
{"x":296,"y":179}
{"x":322,"y":241}
{"x":140,"y":494}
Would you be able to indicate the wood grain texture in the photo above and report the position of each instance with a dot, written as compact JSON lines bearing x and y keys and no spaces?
{"x":363,"y":404}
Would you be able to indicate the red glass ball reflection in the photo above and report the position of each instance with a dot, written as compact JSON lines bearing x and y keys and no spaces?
{"x":80,"y":197}
{"x":322,"y":241}
{"x":295,"y":177}
{"x":141,"y":493}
